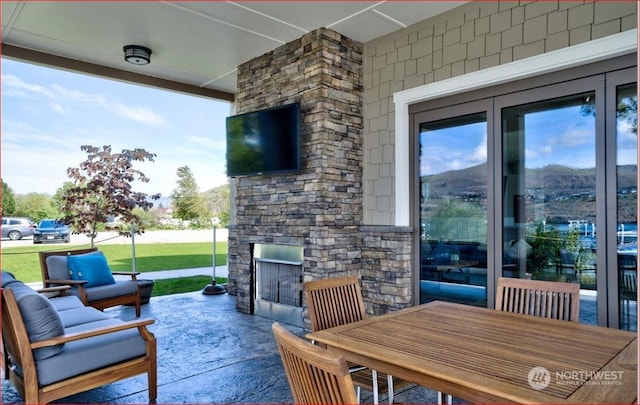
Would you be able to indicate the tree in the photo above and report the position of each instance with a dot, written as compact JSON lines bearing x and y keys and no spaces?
{"x":102,"y":189}
{"x":186,"y":198}
{"x":36,"y":206}
{"x":8,"y":206}
{"x":219,"y":202}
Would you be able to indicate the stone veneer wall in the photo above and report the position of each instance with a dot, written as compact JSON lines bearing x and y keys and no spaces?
{"x":319,"y":208}
{"x":475,"y":36}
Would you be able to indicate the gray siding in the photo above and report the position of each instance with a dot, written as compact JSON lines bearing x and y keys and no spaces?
{"x":474,"y":36}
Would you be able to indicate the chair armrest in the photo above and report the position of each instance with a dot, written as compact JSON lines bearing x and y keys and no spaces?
{"x":61,"y":290}
{"x":70,"y":337}
{"x":67,"y":282}
{"x":133,"y":274}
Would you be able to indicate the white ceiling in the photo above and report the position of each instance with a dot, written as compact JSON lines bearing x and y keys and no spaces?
{"x":199,"y":43}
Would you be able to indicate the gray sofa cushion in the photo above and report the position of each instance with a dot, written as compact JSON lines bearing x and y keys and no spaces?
{"x":7,"y":278}
{"x":40,"y":318}
{"x":107,"y":291}
{"x":78,"y":316}
{"x":57,"y":266}
{"x":84,"y":355}
{"x":66,"y":302}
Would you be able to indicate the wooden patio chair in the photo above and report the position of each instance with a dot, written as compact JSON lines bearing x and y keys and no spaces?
{"x":55,"y":271}
{"x":338,"y":301}
{"x":547,"y":299}
{"x":315,"y":375}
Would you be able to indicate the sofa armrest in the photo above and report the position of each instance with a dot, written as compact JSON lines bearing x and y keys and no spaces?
{"x":69,"y":337}
{"x":60,"y":290}
{"x":133,"y":274}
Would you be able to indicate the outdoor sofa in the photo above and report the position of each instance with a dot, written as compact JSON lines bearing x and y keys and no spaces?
{"x":56,"y":347}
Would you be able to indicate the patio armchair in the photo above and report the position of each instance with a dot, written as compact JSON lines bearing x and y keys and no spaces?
{"x":338,"y":301}
{"x":315,"y":375}
{"x":90,"y":278}
{"x":57,"y":347}
{"x":547,"y":299}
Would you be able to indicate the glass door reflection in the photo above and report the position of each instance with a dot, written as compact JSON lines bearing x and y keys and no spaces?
{"x":453,"y":210}
{"x":549,"y":194}
{"x":627,"y":200}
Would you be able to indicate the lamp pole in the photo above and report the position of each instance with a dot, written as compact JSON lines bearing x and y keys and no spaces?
{"x":133,"y":247}
{"x":213,"y":288}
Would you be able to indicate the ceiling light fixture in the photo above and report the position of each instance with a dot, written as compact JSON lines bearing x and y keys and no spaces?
{"x":136,"y":54}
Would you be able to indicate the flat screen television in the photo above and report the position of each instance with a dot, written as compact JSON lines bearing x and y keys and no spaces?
{"x":264,"y":142}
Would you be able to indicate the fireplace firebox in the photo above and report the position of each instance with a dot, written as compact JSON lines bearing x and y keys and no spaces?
{"x":278,"y":282}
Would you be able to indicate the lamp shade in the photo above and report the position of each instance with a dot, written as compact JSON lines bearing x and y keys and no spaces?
{"x":136,"y":54}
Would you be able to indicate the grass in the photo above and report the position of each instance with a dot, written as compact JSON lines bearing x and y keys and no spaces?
{"x":182,"y":285}
{"x":24,"y":262}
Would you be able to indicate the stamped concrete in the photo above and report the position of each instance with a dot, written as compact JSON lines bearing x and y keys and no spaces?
{"x":208,"y":352}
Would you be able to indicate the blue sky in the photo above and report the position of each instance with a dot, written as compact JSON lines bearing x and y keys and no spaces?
{"x":560,"y":136}
{"x":47,"y":114}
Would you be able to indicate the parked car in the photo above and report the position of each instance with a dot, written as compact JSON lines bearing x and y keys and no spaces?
{"x":15,"y":228}
{"x":51,"y":230}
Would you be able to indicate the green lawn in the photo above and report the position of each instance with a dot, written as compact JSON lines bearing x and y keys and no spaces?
{"x":180,"y":285}
{"x":24,"y":263}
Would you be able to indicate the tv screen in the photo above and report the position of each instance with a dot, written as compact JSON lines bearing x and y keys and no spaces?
{"x":265,"y":141}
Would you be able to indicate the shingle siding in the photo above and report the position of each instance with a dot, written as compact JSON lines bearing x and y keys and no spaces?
{"x":475,"y":36}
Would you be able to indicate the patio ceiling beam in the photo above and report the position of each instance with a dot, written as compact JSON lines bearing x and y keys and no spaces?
{"x":46,"y":59}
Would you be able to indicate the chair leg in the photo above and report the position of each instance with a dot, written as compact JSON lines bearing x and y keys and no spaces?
{"x":374,"y":376}
{"x":390,"y":386}
{"x":444,"y":399}
{"x":358,"y":394}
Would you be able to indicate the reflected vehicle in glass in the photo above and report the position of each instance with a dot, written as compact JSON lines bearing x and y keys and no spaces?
{"x":51,"y":230}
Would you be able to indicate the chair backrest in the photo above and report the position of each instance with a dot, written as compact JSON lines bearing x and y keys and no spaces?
{"x":547,"y":299}
{"x":44,"y":269}
{"x":627,"y":262}
{"x":334,"y":302}
{"x":315,"y":375}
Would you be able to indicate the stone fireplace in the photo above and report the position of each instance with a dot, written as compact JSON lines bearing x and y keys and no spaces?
{"x":320,"y":208}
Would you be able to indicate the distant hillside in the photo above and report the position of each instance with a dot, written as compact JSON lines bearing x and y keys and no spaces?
{"x":567,"y":193}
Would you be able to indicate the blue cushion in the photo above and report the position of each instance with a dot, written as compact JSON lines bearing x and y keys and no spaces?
{"x":57,"y":266}
{"x":93,"y":268}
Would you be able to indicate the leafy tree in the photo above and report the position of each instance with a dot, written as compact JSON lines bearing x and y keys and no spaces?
{"x":58,"y":197}
{"x":8,"y":206}
{"x":102,"y":189}
{"x":187,"y":200}
{"x":36,"y":206}
{"x":219,"y":202}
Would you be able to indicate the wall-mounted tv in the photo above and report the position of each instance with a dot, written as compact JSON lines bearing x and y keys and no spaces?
{"x":264,"y":142}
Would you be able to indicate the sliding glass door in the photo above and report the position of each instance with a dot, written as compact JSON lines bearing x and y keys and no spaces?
{"x":537,"y":183}
{"x":452,"y":190}
{"x":549,"y":190}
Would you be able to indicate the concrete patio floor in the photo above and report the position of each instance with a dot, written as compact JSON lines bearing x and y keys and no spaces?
{"x":208,"y":352}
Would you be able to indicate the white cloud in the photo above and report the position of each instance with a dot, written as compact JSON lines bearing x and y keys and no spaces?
{"x":139,"y":114}
{"x":12,"y":83}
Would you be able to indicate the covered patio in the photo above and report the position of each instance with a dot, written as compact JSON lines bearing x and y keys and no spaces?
{"x":208,"y":352}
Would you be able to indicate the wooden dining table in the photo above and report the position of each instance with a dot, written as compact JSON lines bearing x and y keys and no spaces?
{"x":490,"y":356}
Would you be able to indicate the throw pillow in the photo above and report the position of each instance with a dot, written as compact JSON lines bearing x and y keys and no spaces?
{"x":41,"y":320}
{"x":57,"y":266}
{"x":93,"y":268}
{"x":7,"y":278}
